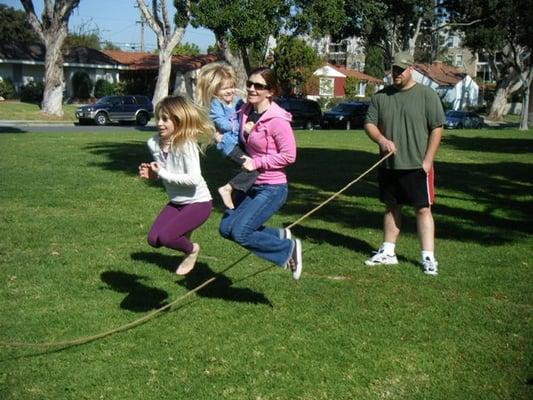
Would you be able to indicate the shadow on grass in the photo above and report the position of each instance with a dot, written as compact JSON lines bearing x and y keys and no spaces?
{"x":11,"y":129}
{"x":319,"y":172}
{"x":221,"y":288}
{"x":493,"y":145}
{"x":139,"y":297}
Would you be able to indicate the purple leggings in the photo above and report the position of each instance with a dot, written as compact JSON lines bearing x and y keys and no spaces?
{"x":174,"y":222}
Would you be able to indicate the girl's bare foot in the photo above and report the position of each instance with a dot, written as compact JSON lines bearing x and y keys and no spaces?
{"x":189,"y":261}
{"x":225,"y":192}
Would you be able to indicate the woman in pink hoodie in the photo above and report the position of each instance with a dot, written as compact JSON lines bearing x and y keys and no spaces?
{"x":266,"y":136}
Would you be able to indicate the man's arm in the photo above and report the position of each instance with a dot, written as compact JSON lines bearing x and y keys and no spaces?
{"x":433,"y":145}
{"x":385,"y":145}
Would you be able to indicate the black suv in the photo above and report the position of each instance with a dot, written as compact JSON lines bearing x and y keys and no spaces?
{"x":305,"y":113}
{"x":117,"y":109}
{"x":347,"y":115}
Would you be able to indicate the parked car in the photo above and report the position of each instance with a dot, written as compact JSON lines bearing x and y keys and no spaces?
{"x":462,"y":119}
{"x":305,"y":113}
{"x":138,"y":109}
{"x":347,"y":115}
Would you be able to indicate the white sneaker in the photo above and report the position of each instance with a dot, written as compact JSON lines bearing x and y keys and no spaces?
{"x":296,"y":261}
{"x":285,"y":233}
{"x":380,"y":258}
{"x":430,"y":267}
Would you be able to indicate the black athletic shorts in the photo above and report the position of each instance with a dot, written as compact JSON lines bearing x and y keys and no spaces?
{"x":407,"y":186}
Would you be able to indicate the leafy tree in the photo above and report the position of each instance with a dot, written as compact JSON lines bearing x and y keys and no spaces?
{"x":110,"y":46}
{"x":294,"y":63}
{"x":52,"y":32}
{"x":504,"y":31}
{"x":241,"y":28}
{"x":91,"y":41}
{"x":374,"y":65}
{"x":319,"y":17}
{"x":167,"y":38}
{"x":186,"y":49}
{"x":14,"y":27}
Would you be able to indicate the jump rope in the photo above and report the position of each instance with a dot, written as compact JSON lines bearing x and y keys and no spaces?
{"x":149,"y":316}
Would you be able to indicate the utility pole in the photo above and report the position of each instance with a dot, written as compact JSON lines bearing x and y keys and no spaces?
{"x":142,"y":33}
{"x":142,"y":21}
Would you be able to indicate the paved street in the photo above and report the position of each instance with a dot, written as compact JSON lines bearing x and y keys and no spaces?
{"x":37,"y":126}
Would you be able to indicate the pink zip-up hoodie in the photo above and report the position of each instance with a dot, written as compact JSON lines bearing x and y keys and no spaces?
{"x":271,"y":143}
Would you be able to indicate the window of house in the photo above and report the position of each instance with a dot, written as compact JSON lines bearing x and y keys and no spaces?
{"x":458,"y":60}
{"x":326,"y":87}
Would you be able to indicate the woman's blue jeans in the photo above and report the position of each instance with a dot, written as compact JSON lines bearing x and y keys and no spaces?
{"x":245,"y":224}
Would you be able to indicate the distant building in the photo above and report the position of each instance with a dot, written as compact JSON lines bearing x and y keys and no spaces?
{"x":23,"y":64}
{"x":145,"y":66}
{"x":454,"y":87}
{"x":332,"y":78}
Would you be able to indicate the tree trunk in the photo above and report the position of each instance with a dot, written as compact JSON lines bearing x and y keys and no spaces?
{"x":525,"y":108}
{"x":54,"y":80}
{"x":52,"y":31}
{"x":527,"y":78}
{"x":530,"y":102}
{"x":236,"y":61}
{"x":163,"y":76}
{"x":505,"y":87}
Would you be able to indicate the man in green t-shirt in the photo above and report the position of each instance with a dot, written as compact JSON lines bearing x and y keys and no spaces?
{"x":406,"y":118}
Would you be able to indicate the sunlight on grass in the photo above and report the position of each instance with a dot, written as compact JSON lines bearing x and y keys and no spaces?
{"x":75,"y":262}
{"x":17,"y":111}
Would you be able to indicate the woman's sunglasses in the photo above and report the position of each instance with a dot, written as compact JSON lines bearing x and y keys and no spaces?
{"x":256,"y":85}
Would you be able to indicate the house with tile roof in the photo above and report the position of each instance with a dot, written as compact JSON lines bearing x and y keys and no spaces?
{"x":455,"y":88}
{"x":23,"y":64}
{"x":332,"y":79}
{"x":144,"y":67}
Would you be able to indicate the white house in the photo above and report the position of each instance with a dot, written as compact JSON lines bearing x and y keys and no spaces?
{"x":23,"y":64}
{"x":453,"y":86}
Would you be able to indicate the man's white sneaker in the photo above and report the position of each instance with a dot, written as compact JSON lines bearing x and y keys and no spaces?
{"x":380,"y":258}
{"x":430,"y":267}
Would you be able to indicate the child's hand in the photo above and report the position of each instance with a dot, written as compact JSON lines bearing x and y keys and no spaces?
{"x":154,"y":167}
{"x":218,"y":137}
{"x":249,"y":126}
{"x":144,"y":171}
{"x":248,"y":164}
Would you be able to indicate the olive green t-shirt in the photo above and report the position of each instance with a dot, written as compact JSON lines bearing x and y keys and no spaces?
{"x":406,"y":117}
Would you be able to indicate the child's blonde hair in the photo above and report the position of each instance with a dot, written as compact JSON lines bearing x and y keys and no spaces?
{"x":190,"y":122}
{"x":210,"y":79}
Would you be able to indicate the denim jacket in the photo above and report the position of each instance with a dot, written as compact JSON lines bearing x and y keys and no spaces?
{"x":225,"y":119}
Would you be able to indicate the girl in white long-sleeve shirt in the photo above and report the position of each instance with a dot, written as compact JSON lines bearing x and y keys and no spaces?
{"x":176,"y":162}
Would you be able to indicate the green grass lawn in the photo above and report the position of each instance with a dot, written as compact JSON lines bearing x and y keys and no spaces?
{"x":18,"y":111}
{"x":75,"y":262}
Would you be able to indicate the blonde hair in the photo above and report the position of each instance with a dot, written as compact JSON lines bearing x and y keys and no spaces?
{"x":210,"y":79}
{"x":190,"y":122}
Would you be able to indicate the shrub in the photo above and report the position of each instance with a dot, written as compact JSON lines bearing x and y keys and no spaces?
{"x":32,"y":92}
{"x":104,"y":88}
{"x":350,"y":87}
{"x":7,"y":90}
{"x":82,"y":85}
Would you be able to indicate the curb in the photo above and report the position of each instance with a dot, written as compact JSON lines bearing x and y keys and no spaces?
{"x":49,"y":123}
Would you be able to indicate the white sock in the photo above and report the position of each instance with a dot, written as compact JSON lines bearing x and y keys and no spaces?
{"x":388,"y":248}
{"x":427,"y":254}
